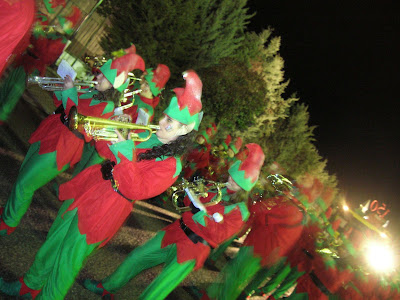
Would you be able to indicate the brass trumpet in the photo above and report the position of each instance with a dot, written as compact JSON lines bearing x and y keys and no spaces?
{"x":200,"y":187}
{"x":104,"y":129}
{"x":56,"y":84}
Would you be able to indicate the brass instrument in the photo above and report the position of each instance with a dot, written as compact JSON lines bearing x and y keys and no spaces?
{"x":104,"y":129}
{"x":200,"y":187}
{"x":56,"y":84}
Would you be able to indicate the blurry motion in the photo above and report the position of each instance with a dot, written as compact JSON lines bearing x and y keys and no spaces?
{"x":185,"y":244}
{"x":16,"y":19}
{"x":57,"y":84}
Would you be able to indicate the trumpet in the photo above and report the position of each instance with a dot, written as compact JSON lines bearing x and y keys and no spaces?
{"x":200,"y":187}
{"x":104,"y":129}
{"x":56,"y":84}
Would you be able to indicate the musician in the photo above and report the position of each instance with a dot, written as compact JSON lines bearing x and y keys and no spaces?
{"x":198,"y":158}
{"x":100,"y":198}
{"x":275,"y":225}
{"x":151,"y":84}
{"x":185,"y":244}
{"x":54,"y":148}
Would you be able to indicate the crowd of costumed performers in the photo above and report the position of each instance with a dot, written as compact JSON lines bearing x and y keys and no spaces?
{"x":97,"y":201}
{"x":297,"y":239}
{"x":49,"y":33}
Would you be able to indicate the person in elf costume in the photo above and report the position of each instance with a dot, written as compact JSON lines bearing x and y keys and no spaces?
{"x":151,"y":84}
{"x":54,"y":148}
{"x":46,"y":45}
{"x":198,"y":158}
{"x":99,"y":199}
{"x":220,"y":161}
{"x":275,"y":225}
{"x":185,"y":244}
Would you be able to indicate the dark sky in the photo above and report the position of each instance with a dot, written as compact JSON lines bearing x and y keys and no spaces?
{"x":343,"y":62}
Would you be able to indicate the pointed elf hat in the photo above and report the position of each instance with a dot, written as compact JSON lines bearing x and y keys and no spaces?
{"x":236,"y":145}
{"x":116,"y":70}
{"x":209,"y":133}
{"x":245,"y":173}
{"x":157,"y":78}
{"x":227,"y":141}
{"x":185,"y":106}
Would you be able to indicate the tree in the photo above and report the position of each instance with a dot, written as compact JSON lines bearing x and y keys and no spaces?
{"x":291,"y":145}
{"x":262,"y":55}
{"x":181,"y":34}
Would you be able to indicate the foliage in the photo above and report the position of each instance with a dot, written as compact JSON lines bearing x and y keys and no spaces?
{"x":181,"y":34}
{"x":232,"y":94}
{"x":291,"y":145}
{"x":262,"y":55}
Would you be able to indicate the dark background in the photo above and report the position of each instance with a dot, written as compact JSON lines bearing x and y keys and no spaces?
{"x":342,"y":61}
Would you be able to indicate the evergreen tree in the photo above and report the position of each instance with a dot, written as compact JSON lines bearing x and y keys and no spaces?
{"x":262,"y":54}
{"x":181,"y":34}
{"x":291,"y":145}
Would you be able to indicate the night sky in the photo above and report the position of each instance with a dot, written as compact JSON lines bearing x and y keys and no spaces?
{"x":343,"y":62}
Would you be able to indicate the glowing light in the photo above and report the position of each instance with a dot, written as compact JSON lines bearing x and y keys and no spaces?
{"x":380,"y":256}
{"x":345,"y":207}
{"x":383,"y":235}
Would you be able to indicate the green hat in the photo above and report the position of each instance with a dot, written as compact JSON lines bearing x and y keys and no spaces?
{"x":157,"y":78}
{"x":116,"y":71}
{"x":185,"y":106}
{"x":245,"y":173}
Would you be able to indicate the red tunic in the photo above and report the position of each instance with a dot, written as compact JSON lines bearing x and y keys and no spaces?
{"x":55,"y":136}
{"x":276,"y":226}
{"x":101,"y":210}
{"x":234,"y":217}
{"x":16,"y":18}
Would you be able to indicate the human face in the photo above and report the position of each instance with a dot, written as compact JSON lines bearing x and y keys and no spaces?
{"x":145,"y":87}
{"x":102,"y":83}
{"x":232,"y":185}
{"x":169,"y":129}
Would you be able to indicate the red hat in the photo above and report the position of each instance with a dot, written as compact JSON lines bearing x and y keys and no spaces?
{"x":116,"y":71}
{"x":236,"y":145}
{"x":227,"y":142}
{"x":157,"y":78}
{"x":245,"y":173}
{"x":186,"y":106}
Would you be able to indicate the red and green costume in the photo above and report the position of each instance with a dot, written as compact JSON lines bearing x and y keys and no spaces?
{"x":54,"y":148}
{"x":93,"y":212}
{"x":156,"y":79}
{"x":16,"y":19}
{"x":173,"y":247}
{"x":199,"y":157}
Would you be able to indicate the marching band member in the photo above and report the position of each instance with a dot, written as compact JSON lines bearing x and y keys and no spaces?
{"x":54,"y":148}
{"x":185,"y":244}
{"x":99,"y":199}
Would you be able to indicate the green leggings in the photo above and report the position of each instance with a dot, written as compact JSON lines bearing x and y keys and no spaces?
{"x":147,"y":256}
{"x":60,"y":258}
{"x":36,"y":171}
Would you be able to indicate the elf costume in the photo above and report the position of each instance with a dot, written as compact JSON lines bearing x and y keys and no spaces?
{"x":185,"y":244}
{"x":54,"y":147}
{"x":156,"y":80}
{"x":16,"y":19}
{"x":100,"y":198}
{"x":275,"y":226}
{"x":46,"y":45}
{"x":198,"y":158}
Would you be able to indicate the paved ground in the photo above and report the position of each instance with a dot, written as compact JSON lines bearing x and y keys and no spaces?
{"x":17,"y":251}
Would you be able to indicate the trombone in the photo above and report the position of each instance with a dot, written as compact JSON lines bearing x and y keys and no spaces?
{"x":56,"y":84}
{"x":104,"y":129}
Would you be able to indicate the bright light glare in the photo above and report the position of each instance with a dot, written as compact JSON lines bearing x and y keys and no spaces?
{"x":380,"y":256}
{"x":345,"y":207}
